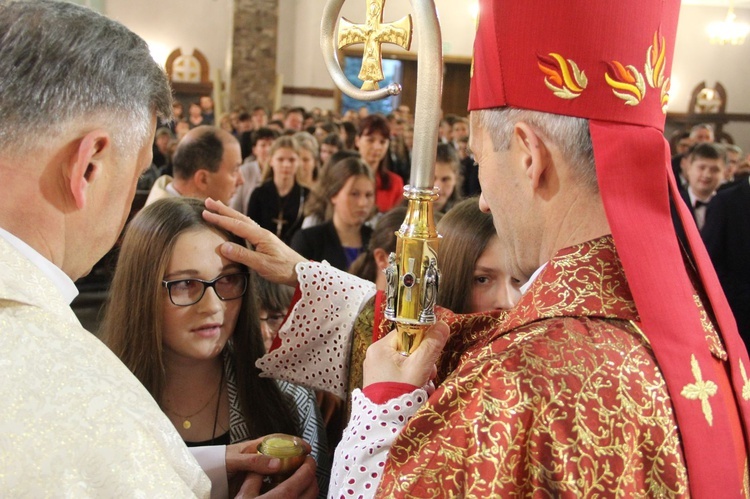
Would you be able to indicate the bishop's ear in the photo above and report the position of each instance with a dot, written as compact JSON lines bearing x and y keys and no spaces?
{"x":86,"y":164}
{"x":533,"y":152}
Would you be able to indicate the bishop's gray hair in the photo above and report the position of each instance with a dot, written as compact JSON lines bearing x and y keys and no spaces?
{"x":62,"y":65}
{"x":570,"y":135}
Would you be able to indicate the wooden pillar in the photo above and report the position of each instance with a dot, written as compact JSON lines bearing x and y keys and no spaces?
{"x":255,"y":35}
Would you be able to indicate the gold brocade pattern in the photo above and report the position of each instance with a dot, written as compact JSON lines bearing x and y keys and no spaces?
{"x":745,"y":384}
{"x":712,"y":337}
{"x":361,"y":340}
{"x":561,"y":398}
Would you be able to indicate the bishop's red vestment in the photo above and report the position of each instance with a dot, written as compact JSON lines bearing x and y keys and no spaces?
{"x":561,"y":397}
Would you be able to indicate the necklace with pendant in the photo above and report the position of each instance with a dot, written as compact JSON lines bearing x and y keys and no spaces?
{"x":186,"y":419}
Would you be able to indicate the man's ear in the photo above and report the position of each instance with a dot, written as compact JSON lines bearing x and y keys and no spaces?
{"x":87,"y":162}
{"x":200,"y":179}
{"x":381,"y":258}
{"x":534,"y":151}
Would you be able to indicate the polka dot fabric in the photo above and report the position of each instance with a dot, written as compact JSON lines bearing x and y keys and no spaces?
{"x":360,"y":457}
{"x":316,"y":339}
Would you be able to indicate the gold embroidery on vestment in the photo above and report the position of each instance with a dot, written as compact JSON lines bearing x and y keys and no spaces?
{"x":700,"y":390}
{"x":712,"y":337}
{"x":746,"y":383}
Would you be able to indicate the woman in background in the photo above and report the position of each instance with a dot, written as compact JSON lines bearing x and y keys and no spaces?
{"x":373,"y":142}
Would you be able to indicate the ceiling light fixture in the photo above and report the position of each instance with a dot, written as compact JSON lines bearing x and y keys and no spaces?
{"x":729,"y":31}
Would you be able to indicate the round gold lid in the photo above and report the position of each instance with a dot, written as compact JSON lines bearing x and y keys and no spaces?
{"x":281,"y":446}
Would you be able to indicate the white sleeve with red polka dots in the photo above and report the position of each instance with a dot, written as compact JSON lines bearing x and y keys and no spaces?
{"x":316,"y":338}
{"x":360,"y":457}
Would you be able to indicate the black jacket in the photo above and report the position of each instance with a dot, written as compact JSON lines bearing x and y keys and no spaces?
{"x":727,"y":238}
{"x":321,"y":242}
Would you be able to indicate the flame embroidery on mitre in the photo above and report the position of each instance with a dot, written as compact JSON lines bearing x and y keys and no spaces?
{"x":562,"y":76}
{"x":655,"y":62}
{"x":626,"y":82}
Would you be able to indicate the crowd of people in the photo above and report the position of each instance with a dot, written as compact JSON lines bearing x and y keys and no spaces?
{"x":583,"y":345}
{"x":714,"y":183}
{"x":283,"y":171}
{"x":315,"y":140}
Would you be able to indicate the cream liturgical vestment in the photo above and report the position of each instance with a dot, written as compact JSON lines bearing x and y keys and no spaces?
{"x":74,"y":422}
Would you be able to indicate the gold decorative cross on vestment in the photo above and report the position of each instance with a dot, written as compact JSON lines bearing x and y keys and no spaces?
{"x":373,"y":34}
{"x":701,"y":390}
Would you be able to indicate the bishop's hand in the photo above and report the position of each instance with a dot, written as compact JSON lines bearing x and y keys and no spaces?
{"x":271,"y":259}
{"x":384,"y":362}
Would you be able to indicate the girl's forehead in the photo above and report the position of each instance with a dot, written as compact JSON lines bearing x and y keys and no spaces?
{"x":286,"y":151}
{"x":374,"y":134}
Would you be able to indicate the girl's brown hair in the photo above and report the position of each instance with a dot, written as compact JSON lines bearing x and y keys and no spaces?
{"x":333,"y":180}
{"x":375,"y":123}
{"x":466,"y":231}
{"x":132,"y":323}
{"x":383,"y":237}
{"x":283,"y":142}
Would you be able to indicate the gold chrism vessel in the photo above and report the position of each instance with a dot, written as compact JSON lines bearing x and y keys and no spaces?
{"x":412,"y":275}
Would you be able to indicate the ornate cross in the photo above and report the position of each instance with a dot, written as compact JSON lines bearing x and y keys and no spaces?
{"x":373,"y":34}
{"x":280,"y":222}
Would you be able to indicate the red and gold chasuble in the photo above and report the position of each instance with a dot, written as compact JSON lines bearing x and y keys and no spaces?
{"x":561,"y":397}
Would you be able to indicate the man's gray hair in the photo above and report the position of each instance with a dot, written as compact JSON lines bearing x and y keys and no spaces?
{"x":61,"y":64}
{"x":734,"y":148}
{"x":702,"y":126}
{"x":569,"y":134}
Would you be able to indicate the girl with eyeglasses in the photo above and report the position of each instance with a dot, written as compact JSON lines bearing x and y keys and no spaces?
{"x":180,"y":316}
{"x":273,"y":304}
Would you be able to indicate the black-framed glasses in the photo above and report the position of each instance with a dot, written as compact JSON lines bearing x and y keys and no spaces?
{"x":186,"y":292}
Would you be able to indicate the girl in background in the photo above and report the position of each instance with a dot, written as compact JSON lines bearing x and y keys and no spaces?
{"x":447,"y":178}
{"x":277,"y":204}
{"x":273,"y":304}
{"x":347,"y":191}
{"x":469,"y":260}
{"x":309,"y":159}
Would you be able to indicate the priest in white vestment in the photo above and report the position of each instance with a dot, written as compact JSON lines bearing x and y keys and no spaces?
{"x":77,"y":127}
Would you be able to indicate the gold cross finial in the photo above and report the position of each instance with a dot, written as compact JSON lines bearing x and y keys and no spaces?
{"x":373,"y":34}
{"x":700,"y":390}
